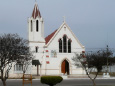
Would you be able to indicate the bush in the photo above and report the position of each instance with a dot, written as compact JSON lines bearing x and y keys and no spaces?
{"x":51,"y":80}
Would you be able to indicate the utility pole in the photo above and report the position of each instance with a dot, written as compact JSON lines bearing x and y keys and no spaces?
{"x":106,"y":75}
{"x":107,"y":59}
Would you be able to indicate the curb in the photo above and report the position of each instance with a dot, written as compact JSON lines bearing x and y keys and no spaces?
{"x":68,"y":78}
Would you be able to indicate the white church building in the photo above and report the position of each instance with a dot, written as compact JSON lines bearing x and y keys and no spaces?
{"x":54,"y":52}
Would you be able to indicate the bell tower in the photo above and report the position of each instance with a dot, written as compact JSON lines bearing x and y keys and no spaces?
{"x":36,"y":26}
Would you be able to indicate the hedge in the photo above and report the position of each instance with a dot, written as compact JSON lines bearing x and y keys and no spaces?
{"x":51,"y":80}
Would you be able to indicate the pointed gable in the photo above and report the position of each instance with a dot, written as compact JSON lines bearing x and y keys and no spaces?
{"x":50,"y":37}
{"x":36,"y":12}
{"x":47,"y":39}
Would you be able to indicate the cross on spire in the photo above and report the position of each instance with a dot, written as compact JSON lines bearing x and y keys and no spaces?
{"x":63,"y":18}
{"x":36,"y":1}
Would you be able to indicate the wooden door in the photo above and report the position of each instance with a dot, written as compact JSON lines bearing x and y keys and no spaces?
{"x":67,"y":67}
{"x":63,"y":67}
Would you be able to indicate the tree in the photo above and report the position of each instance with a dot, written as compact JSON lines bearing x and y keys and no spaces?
{"x":12,"y":49}
{"x":94,"y":60}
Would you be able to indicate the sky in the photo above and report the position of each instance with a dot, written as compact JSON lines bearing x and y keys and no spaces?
{"x":92,"y":21}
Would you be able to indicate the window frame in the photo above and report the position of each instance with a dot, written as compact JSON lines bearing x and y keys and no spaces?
{"x":18,"y":67}
{"x":36,"y":49}
{"x":37,"y":25}
{"x":31,"y":26}
{"x":64,"y":44}
{"x":69,"y":46}
{"x":60,"y":46}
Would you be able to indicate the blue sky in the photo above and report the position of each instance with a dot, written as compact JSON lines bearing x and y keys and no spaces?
{"x":92,"y":21}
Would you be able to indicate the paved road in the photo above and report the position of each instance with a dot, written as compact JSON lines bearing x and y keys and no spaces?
{"x":68,"y":82}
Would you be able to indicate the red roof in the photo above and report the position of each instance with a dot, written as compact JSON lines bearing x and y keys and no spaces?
{"x":47,"y":39}
{"x":36,"y":12}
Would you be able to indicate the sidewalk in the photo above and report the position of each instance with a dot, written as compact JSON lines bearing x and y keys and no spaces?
{"x":77,"y":77}
{"x":86,"y":77}
{"x":71,"y":77}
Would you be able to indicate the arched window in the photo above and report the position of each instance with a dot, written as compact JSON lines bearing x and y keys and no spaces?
{"x":37,"y":25}
{"x":60,"y":46}
{"x":64,"y":44}
{"x":31,"y":25}
{"x":69,"y":46}
{"x":36,"y":49}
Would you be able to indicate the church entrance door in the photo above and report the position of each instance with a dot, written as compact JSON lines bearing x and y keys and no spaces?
{"x":65,"y":67}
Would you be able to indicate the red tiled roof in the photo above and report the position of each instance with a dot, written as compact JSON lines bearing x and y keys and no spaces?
{"x":36,"y":12}
{"x":47,"y":39}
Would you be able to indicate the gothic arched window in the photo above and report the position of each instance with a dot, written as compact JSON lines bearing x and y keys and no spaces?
{"x":64,"y":44}
{"x":37,"y":25}
{"x":69,"y":46}
{"x":60,"y":46}
{"x":31,"y":26}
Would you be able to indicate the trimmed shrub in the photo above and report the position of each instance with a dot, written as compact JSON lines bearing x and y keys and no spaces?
{"x":51,"y":80}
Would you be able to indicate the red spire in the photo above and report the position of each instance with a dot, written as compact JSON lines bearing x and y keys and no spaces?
{"x":36,"y":12}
